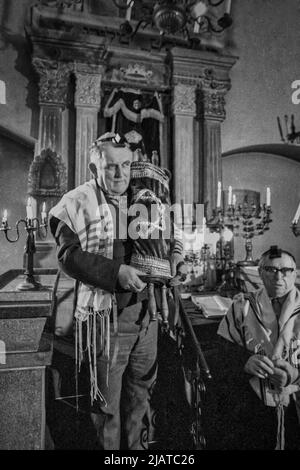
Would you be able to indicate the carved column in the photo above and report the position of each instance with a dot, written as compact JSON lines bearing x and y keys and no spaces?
{"x":212,"y":104}
{"x":184,"y":111}
{"x":53,"y":93}
{"x":208,"y":76}
{"x":87,"y":102}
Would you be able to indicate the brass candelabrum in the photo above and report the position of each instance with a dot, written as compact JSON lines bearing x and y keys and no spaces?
{"x":244,"y":220}
{"x":31,"y":226}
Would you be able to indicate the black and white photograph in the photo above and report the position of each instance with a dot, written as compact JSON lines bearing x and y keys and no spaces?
{"x":149,"y":227}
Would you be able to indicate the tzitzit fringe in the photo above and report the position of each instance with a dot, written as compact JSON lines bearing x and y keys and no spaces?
{"x":91,"y":347}
{"x":280,"y":427}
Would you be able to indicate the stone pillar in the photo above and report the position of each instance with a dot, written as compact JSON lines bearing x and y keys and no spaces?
{"x":87,"y":102}
{"x":206,"y":75}
{"x":53,"y":93}
{"x":53,"y":135}
{"x":184,"y":111}
{"x":212,"y":105}
{"x":25,"y":352}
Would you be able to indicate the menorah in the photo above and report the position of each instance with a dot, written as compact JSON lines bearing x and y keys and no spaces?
{"x":31,"y":225}
{"x":293,"y":135}
{"x":246,"y":220}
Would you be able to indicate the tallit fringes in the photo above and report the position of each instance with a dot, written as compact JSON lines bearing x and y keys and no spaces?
{"x":280,"y":441}
{"x":93,"y":349}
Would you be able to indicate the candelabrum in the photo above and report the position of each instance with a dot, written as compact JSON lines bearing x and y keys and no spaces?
{"x":251,"y":221}
{"x":245,"y":220}
{"x":222,"y":222}
{"x":292,"y":136}
{"x":31,"y":226}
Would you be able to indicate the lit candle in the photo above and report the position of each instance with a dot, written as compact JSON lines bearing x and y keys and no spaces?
{"x":219,"y":194}
{"x":129,"y":8}
{"x":197,"y":11}
{"x":44,"y":214}
{"x":228,"y":6}
{"x":297,"y":215}
{"x":4,"y":218}
{"x":197,"y":26}
{"x":29,"y":212}
{"x":234,"y":200}
{"x":268,"y":197}
{"x":230,"y":195}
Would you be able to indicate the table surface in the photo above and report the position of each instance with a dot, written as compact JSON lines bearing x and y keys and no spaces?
{"x":195,"y":314}
{"x":10,"y":280}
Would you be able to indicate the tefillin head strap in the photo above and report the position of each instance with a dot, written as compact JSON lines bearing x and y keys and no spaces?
{"x":275,"y":252}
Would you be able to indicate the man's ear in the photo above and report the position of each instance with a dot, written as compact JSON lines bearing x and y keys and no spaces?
{"x":93,"y":169}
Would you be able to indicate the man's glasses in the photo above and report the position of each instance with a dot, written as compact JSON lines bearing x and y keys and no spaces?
{"x":273,"y":270}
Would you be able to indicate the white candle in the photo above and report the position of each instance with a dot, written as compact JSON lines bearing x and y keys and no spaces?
{"x":29,"y":212}
{"x":44,"y":214}
{"x":297,"y":215}
{"x":228,"y":6}
{"x":268,"y":197}
{"x":196,"y":26}
{"x":128,"y":11}
{"x":219,"y":194}
{"x":230,"y":195}
{"x":4,"y":218}
{"x":234,"y":200}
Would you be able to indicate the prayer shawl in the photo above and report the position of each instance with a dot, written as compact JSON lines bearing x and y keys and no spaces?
{"x":251,"y":322}
{"x":85,"y":211}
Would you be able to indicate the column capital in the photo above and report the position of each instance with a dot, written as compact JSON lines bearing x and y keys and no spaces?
{"x":88,"y":89}
{"x":54,"y":80}
{"x":212,"y":105}
{"x":212,"y":91}
{"x":184,"y":99}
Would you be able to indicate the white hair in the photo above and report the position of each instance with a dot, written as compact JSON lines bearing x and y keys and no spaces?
{"x":97,"y":154}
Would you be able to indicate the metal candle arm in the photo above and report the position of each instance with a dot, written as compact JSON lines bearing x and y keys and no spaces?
{"x":31,"y":226}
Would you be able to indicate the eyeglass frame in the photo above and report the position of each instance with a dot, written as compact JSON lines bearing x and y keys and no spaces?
{"x":285,"y":271}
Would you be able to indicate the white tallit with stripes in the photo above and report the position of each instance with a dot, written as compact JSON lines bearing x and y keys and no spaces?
{"x":251,"y":322}
{"x":85,"y":211}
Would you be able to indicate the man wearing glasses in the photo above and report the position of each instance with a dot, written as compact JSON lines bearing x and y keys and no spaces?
{"x":266,"y":324}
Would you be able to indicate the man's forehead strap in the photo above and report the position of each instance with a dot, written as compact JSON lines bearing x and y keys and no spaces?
{"x":275,"y":252}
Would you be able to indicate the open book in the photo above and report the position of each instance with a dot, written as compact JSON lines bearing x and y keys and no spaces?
{"x":212,"y":306}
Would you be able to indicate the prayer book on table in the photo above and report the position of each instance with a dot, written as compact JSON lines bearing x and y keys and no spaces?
{"x":212,"y":306}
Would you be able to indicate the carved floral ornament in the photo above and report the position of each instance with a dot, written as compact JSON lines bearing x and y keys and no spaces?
{"x":88,"y":90}
{"x":209,"y":81}
{"x":184,"y":99}
{"x":61,"y":4}
{"x":213,"y":104}
{"x":204,"y":93}
{"x":54,"y":80}
{"x":52,"y":160}
{"x":136,"y":72}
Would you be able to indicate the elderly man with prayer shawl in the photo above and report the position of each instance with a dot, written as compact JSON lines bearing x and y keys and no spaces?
{"x":266,"y":324}
{"x":114,"y":334}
